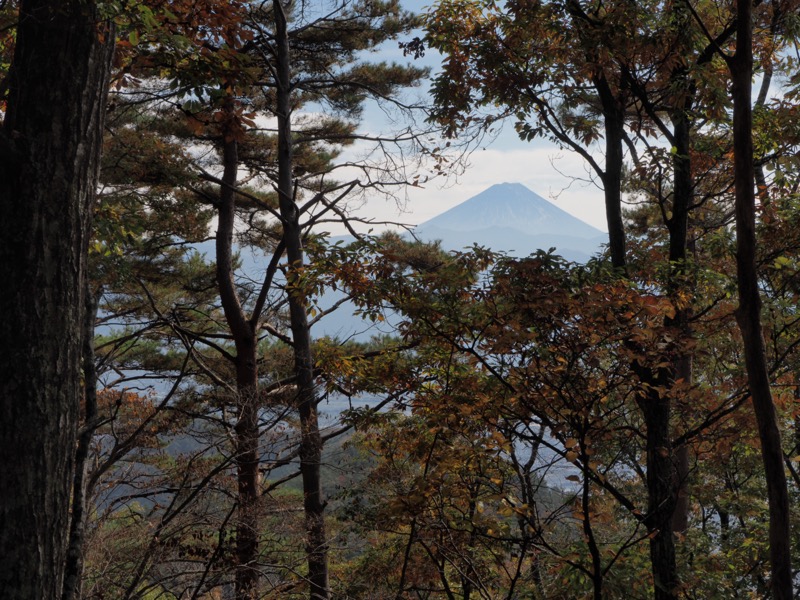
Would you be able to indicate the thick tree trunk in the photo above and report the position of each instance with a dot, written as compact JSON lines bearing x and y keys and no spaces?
{"x":311,"y":441}
{"x":748,"y":314}
{"x":49,"y":150}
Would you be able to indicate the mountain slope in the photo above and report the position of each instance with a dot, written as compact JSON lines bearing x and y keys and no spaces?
{"x":515,"y":206}
{"x":511,"y":218}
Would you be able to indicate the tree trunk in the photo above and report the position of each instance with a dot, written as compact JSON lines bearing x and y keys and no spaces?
{"x":680,"y":518}
{"x":656,"y":408}
{"x":748,"y":315}
{"x":49,"y":153}
{"x":613,"y":123}
{"x":73,"y":569}
{"x":246,"y":430}
{"x":247,"y":462}
{"x":311,"y":441}
{"x":667,"y":470}
{"x":678,"y":225}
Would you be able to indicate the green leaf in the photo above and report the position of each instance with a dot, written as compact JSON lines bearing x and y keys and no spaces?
{"x":782,"y":261}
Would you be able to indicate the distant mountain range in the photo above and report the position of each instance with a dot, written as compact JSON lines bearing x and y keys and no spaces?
{"x":509,"y":217}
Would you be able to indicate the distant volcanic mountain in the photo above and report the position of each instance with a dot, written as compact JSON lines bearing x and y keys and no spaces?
{"x":507,"y":217}
{"x":511,"y":218}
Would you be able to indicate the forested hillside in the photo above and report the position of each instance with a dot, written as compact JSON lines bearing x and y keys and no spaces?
{"x":518,"y":426}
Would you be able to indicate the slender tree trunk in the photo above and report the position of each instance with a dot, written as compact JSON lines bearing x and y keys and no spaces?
{"x":246,"y":429}
{"x":656,"y":408}
{"x":680,"y":518}
{"x":589,"y":537}
{"x":614,"y":123}
{"x":49,"y":153}
{"x":678,"y":225}
{"x":612,"y":189}
{"x":666,"y":478}
{"x":748,"y":314}
{"x":247,"y":474}
{"x":311,"y":440}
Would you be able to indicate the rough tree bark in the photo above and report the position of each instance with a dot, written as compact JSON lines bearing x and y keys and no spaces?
{"x":49,"y":154}
{"x":73,"y":569}
{"x":748,"y":314}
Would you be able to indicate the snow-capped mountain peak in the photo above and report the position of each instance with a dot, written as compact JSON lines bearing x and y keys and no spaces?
{"x":514,"y":206}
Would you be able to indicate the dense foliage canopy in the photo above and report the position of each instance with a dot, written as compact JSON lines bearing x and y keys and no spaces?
{"x":498,"y":426}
